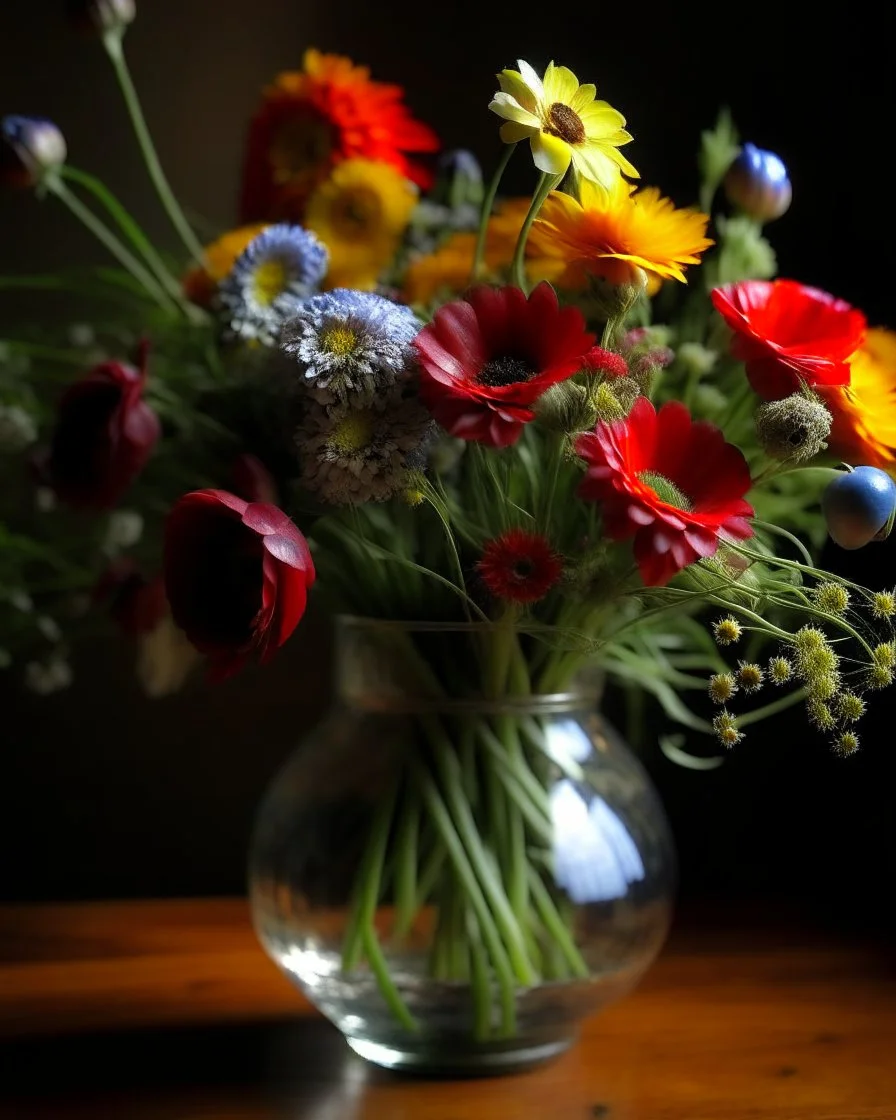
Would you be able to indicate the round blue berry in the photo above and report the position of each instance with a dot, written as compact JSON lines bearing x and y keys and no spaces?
{"x":857,"y":506}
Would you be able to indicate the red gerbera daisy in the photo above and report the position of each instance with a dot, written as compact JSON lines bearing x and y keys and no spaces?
{"x":488,"y":357}
{"x":311,"y":120}
{"x":520,"y":567}
{"x":674,"y":485}
{"x":788,"y":334}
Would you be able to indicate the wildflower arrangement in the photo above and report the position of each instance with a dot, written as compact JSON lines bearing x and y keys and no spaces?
{"x":591,"y":423}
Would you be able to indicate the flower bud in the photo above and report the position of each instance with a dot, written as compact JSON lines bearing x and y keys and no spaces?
{"x":101,"y":16}
{"x":566,"y":407}
{"x":793,"y":429}
{"x":757,"y":183}
{"x":30,"y":149}
{"x":459,"y":181}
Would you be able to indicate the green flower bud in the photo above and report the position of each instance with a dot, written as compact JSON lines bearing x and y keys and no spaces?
{"x":101,"y":16}
{"x":566,"y":407}
{"x":793,"y":429}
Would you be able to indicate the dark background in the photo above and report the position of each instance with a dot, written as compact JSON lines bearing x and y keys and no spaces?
{"x":105,"y":793}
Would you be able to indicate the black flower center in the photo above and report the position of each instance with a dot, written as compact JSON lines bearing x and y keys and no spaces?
{"x":524,"y":568}
{"x":565,"y":123}
{"x":505,"y":370}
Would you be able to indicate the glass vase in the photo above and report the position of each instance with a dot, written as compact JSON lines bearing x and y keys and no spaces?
{"x":457,"y":866}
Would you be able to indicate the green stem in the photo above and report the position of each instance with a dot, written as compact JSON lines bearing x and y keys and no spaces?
{"x":487,"y":204}
{"x":480,"y":984}
{"x":367,"y":883}
{"x":555,"y":925}
{"x":113,"y":43}
{"x":517,"y":269}
{"x":109,"y":241}
{"x":380,"y":969}
{"x":138,"y":239}
{"x":406,"y":855}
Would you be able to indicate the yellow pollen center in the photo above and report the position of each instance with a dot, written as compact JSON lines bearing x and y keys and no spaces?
{"x":353,"y":433}
{"x":665,"y":490}
{"x":565,"y":123}
{"x":271,"y":280}
{"x":340,"y":341}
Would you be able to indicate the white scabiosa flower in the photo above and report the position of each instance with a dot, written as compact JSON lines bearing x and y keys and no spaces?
{"x":351,"y":345}
{"x":51,"y":675}
{"x":276,"y":272}
{"x":17,"y":429}
{"x":123,"y":530}
{"x":364,"y":454}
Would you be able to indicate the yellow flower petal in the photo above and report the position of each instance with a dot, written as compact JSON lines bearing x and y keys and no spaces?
{"x":593,"y":161}
{"x":603,"y":120}
{"x":513,"y":85}
{"x":560,"y":84}
{"x":551,"y":154}
{"x":531,"y":79}
{"x":583,"y":98}
{"x":505,"y":106}
{"x":511,"y":132}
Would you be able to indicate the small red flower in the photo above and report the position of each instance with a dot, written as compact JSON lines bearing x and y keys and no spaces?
{"x":488,"y":357}
{"x":520,"y":567}
{"x":788,"y":334}
{"x":608,"y":362}
{"x":237,"y":576}
{"x":674,"y":485}
{"x":104,"y":434}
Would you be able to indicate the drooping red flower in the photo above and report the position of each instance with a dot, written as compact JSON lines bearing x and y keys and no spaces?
{"x":252,"y":480}
{"x":488,"y":357}
{"x":311,"y":120}
{"x":608,"y":362}
{"x":673,"y":484}
{"x":520,"y":567}
{"x":104,"y":434}
{"x":237,"y":576}
{"x":788,"y":334}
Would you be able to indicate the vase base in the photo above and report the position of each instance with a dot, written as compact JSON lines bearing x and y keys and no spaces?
{"x":477,"y":1060}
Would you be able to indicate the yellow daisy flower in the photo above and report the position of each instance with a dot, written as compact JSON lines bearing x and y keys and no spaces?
{"x":613,"y":233}
{"x":563,"y":123}
{"x":864,"y":411}
{"x":200,"y":284}
{"x":360,"y":213}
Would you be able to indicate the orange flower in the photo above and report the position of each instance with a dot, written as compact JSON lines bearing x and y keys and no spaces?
{"x":200,"y":283}
{"x":616,"y":232}
{"x":313,"y":119}
{"x":447,"y":270}
{"x":864,"y":411}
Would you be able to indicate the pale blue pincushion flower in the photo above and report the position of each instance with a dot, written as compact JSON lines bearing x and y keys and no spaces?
{"x":273,"y":276}
{"x":351,"y":345}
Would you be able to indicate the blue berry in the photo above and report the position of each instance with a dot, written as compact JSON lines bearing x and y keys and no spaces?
{"x":857,"y":506}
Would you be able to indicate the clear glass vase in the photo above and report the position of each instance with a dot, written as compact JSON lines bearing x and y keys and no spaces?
{"x":457,"y":867}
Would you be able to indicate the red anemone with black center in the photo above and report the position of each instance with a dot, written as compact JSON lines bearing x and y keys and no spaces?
{"x":488,"y":357}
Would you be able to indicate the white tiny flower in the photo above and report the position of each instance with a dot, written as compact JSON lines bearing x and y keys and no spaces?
{"x":46,"y":677}
{"x":17,"y":429}
{"x":81,"y":335}
{"x":49,"y":627}
{"x":5,"y":658}
{"x":21,"y":600}
{"x":45,"y":499}
{"x":124,"y":529}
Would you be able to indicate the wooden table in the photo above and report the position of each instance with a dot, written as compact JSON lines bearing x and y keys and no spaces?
{"x":170,"y":1011}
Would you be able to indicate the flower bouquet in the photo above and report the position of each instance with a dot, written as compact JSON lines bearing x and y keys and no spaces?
{"x":517,"y":455}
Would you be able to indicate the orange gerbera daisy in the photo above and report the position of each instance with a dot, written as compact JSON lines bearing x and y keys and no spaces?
{"x":311,"y":120}
{"x":613,"y":232}
{"x":864,"y":411}
{"x":447,"y":270}
{"x":200,"y":284}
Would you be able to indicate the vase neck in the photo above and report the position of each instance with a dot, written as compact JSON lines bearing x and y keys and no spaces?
{"x":396,"y":666}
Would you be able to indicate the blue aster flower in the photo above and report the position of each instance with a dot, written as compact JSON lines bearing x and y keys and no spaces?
{"x":272,"y":277}
{"x":351,"y":345}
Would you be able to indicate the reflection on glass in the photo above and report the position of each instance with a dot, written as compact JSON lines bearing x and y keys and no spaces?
{"x":595,"y":858}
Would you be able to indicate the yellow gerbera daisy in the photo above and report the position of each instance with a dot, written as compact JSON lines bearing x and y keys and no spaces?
{"x":563,"y":123}
{"x":613,"y":233}
{"x":864,"y":411}
{"x":220,"y":256}
{"x":360,"y":213}
{"x":447,"y":270}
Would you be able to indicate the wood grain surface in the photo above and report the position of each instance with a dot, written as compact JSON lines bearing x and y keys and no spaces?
{"x":171,"y":1011}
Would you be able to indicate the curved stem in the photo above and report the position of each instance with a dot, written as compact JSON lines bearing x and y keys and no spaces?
{"x":487,"y":203}
{"x":115,"y":50}
{"x":109,"y":241}
{"x":517,"y":269}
